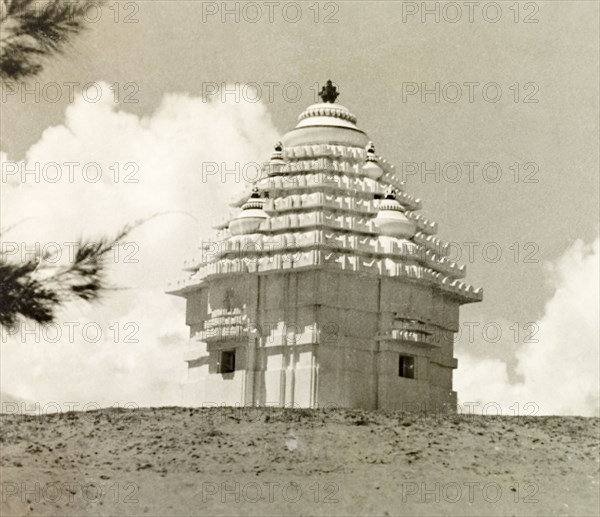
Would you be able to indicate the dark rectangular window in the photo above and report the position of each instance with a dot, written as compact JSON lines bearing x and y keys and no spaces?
{"x":406,"y":367}
{"x":227,"y":363}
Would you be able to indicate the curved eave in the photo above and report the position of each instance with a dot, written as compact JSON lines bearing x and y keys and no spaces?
{"x":325,"y":134}
{"x":184,"y":290}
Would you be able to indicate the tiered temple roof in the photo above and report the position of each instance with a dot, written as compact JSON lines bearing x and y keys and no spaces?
{"x":327,"y":200}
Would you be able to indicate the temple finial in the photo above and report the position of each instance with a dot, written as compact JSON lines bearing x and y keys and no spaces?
{"x":329,"y":92}
{"x":390,"y":192}
{"x":371,"y":152}
{"x":255,"y":192}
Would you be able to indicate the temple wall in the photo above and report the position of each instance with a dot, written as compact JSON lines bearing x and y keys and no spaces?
{"x":313,"y":342}
{"x":280,"y":377}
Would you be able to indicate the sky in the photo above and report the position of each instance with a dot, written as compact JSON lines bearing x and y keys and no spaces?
{"x":526,"y":122}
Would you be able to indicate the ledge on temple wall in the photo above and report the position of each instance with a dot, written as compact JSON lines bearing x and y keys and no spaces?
{"x":408,"y":336}
{"x":444,"y":264}
{"x":191,"y":265}
{"x":324,"y":150}
{"x":320,"y":258}
{"x":182,"y":285}
{"x":432,"y":243}
{"x":426,"y":226}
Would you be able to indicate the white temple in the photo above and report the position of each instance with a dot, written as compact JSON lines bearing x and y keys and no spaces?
{"x":328,"y":289}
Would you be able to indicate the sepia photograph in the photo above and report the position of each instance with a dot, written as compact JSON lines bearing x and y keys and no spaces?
{"x":299,"y":258}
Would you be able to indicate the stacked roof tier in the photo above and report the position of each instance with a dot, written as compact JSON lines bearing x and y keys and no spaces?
{"x":327,"y":200}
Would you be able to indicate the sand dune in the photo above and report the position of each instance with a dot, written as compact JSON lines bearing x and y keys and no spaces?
{"x":227,"y":461}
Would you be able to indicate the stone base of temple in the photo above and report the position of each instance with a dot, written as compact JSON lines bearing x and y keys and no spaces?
{"x":312,"y":388}
{"x":321,"y":339}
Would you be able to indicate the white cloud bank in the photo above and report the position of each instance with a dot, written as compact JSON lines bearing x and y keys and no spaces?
{"x":560,"y":373}
{"x":138,"y":357}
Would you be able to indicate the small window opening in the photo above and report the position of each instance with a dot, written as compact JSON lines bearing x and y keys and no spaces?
{"x":227,"y":363}
{"x":406,"y":367}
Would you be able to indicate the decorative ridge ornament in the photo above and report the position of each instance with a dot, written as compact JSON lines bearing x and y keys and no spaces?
{"x":255,"y":192}
{"x":390,"y":192}
{"x":256,"y":200}
{"x":251,"y":216}
{"x":389,"y":201}
{"x":371,"y":168}
{"x":329,"y":92}
{"x":319,"y":110}
{"x":390,"y":217}
{"x":276,"y":163}
{"x":277,"y":153}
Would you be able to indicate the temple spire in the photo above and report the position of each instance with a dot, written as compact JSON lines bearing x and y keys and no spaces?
{"x":329,"y":92}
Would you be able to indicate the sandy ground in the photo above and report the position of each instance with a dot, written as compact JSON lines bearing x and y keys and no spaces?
{"x":179,"y":461}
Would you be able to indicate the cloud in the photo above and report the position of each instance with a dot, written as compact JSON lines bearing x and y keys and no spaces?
{"x":558,"y":371}
{"x":128,"y":348}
